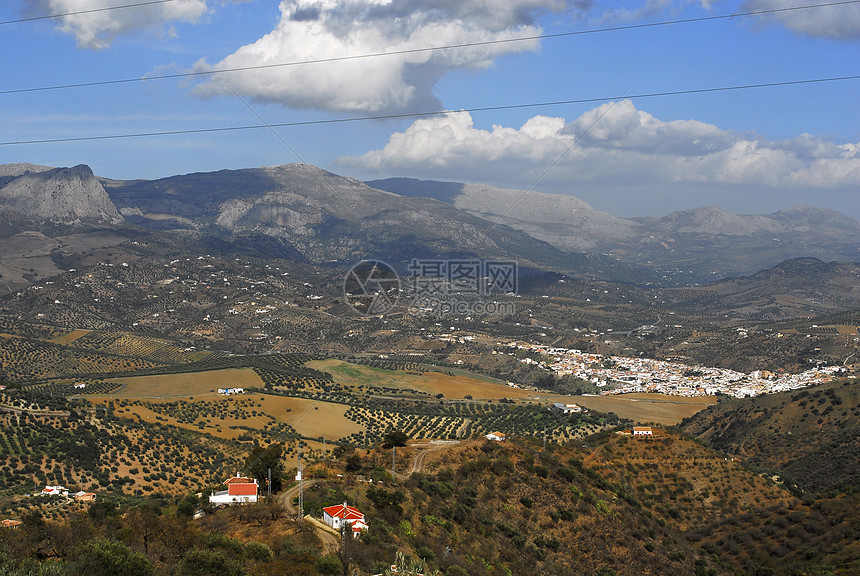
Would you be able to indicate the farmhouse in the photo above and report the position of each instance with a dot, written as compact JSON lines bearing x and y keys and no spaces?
{"x":497,"y":436}
{"x":340,"y":514}
{"x":642,"y":431}
{"x":240,"y":490}
{"x":85,"y":496}
{"x":230,"y":391}
{"x":10,"y":523}
{"x":567,"y":408}
{"x":54,"y":491}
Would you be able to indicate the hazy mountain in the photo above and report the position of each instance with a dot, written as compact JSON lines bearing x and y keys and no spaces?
{"x":58,"y":195}
{"x":566,"y":222}
{"x":698,"y":245}
{"x":314,"y":215}
{"x":329,"y":218}
{"x":795,"y":288}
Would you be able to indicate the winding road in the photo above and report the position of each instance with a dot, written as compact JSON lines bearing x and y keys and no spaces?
{"x":328,"y":537}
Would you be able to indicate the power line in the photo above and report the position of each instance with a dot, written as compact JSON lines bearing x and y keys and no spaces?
{"x":79,"y":12}
{"x":202,"y":73}
{"x":552,"y":165}
{"x":437,"y":112}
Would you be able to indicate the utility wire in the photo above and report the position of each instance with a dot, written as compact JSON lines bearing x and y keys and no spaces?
{"x":319,"y":178}
{"x":202,"y":73}
{"x":439,"y":112}
{"x":553,"y":164}
{"x":79,"y":12}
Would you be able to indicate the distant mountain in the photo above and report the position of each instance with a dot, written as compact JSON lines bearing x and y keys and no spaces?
{"x":699,"y":245}
{"x":54,"y":195}
{"x":325,"y":216}
{"x":566,"y":222}
{"x":328,"y":218}
{"x":305,"y":213}
{"x":797,"y":288}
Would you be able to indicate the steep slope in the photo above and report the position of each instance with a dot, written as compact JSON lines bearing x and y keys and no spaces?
{"x":488,"y":508}
{"x":809,"y":437}
{"x":329,"y":218}
{"x":735,"y":515}
{"x":59,"y":196}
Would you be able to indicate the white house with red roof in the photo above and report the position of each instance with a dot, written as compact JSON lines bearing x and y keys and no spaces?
{"x":336,"y":516}
{"x":54,"y":491}
{"x":240,"y":490}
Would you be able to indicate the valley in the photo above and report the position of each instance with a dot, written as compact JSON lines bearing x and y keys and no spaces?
{"x":208,"y":327}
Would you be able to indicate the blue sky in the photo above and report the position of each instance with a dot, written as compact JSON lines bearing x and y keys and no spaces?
{"x":749,"y":151}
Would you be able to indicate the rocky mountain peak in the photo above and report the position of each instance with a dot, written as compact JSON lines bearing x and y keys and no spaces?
{"x":58,"y":195}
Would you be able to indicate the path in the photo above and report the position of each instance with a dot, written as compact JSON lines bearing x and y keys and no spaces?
{"x":432,"y":446}
{"x":329,"y":539}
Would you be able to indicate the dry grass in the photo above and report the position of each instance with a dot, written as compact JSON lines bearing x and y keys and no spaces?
{"x":309,"y":418}
{"x":452,"y":386}
{"x":70,"y":337}
{"x":192,"y":384}
{"x":643,"y":408}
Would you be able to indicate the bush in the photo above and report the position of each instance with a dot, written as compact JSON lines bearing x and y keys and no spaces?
{"x":108,"y":558}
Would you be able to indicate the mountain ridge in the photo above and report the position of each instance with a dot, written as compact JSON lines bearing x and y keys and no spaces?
{"x":330,"y":218}
{"x":695,"y":245}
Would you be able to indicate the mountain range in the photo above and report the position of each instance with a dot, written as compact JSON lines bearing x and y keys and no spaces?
{"x":702,"y":244}
{"x":306,"y":213}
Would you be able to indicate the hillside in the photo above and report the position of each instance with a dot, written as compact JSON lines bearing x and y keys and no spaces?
{"x":327,"y":218}
{"x":807,"y":437}
{"x":791,"y":289}
{"x":604,"y":504}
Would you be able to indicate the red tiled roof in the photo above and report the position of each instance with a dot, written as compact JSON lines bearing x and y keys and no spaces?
{"x":344,"y":512}
{"x":239,"y":480}
{"x":242,"y":489}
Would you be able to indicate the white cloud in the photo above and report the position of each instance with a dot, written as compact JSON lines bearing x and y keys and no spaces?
{"x":314,"y":30}
{"x":841,"y":22}
{"x":98,"y":29}
{"x":624,"y":147}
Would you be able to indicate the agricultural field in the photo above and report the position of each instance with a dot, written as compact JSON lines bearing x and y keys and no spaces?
{"x":237,"y":417}
{"x":643,"y":408}
{"x":104,"y":451}
{"x":23,"y":359}
{"x":125,"y":344}
{"x":186,"y":384}
{"x":70,"y":337}
{"x":431,"y":383}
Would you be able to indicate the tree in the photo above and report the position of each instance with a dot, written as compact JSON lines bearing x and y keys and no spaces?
{"x":261,"y":460}
{"x":188,"y":506}
{"x":394,"y":438}
{"x":209,"y":563}
{"x":108,"y":558}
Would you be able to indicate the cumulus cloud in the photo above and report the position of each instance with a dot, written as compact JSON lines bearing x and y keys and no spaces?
{"x":836,"y":22}
{"x":332,"y":29}
{"x":97,"y":30}
{"x":624,"y":147}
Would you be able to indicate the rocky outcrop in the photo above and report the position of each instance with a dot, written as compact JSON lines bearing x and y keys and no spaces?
{"x":58,"y":195}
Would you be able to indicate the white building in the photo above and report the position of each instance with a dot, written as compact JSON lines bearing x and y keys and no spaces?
{"x":240,"y":490}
